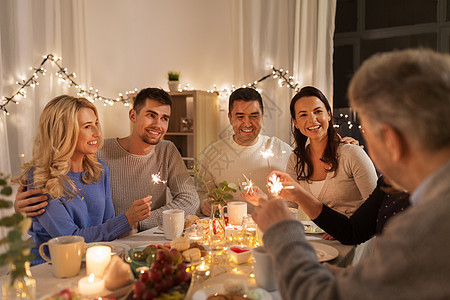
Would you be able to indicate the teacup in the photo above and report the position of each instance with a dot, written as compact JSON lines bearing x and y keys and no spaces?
{"x":173,"y":223}
{"x":236,"y":211}
{"x":263,"y":268}
{"x":66,"y":253}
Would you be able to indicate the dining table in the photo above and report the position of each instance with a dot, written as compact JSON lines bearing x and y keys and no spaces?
{"x":47,"y":284}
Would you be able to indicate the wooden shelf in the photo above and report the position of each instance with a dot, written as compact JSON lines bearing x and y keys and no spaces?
{"x":203,"y":109}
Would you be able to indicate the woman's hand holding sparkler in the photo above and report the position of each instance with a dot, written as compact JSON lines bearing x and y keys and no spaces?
{"x":292,"y":191}
{"x":281,"y":184}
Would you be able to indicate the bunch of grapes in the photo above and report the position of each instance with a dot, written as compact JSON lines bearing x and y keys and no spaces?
{"x":167,"y":271}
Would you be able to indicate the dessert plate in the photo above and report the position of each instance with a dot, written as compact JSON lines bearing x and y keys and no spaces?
{"x":207,"y":291}
{"x":325,"y":252}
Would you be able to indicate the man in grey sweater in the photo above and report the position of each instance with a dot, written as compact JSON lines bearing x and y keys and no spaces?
{"x":403,"y":100}
{"x":133,"y":160}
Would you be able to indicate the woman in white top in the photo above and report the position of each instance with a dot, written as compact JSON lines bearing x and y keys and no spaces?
{"x":339,"y":175}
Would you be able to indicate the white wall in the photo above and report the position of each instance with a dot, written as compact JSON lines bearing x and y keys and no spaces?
{"x":135,"y":45}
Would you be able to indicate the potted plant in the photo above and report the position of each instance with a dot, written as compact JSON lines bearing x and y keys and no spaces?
{"x":173,"y":78}
{"x":17,"y":254}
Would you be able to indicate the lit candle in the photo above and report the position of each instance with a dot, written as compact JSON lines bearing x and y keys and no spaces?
{"x":141,"y":270}
{"x":203,"y":269}
{"x":91,"y":285}
{"x":97,"y":259}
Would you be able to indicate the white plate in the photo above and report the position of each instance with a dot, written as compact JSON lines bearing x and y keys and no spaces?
{"x":325,"y":252}
{"x":311,"y":224}
{"x":204,"y":293}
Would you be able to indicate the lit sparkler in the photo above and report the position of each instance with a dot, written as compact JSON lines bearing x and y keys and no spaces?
{"x":275,"y":185}
{"x":156,"y":178}
{"x":247,"y":184}
{"x":267,"y":153}
{"x":268,"y":149}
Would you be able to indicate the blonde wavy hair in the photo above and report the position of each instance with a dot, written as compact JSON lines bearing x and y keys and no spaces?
{"x":54,"y":146}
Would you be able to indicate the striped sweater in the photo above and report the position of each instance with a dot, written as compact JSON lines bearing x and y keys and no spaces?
{"x":131,"y":179}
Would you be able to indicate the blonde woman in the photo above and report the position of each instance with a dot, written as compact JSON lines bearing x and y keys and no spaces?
{"x":64,"y":166}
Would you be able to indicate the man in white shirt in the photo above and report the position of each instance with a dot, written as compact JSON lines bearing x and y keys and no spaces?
{"x":246,"y":153}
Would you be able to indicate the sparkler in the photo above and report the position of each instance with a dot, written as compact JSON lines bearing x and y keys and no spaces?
{"x":156,"y":178}
{"x":267,"y":153}
{"x":248,"y":185}
{"x":275,"y":185}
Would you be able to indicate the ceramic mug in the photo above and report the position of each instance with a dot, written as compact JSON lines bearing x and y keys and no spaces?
{"x":263,"y":268}
{"x":236,"y":211}
{"x":173,"y":223}
{"x":66,"y":253}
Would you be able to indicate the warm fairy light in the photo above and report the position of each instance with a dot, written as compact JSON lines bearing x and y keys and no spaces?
{"x":63,"y":76}
{"x":92,"y":94}
{"x":156,"y":178}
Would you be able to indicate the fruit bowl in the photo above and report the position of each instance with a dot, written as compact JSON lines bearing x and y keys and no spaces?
{"x":141,"y":258}
{"x":168,"y":275}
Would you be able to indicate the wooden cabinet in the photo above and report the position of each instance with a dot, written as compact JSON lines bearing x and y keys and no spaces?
{"x":194,"y":122}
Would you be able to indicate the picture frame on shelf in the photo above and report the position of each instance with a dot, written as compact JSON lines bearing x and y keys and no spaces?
{"x":186,"y":125}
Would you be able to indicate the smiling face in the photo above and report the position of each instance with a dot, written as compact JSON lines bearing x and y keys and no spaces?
{"x":89,"y":133}
{"x":312,"y":118}
{"x":151,"y":122}
{"x":246,"y":119}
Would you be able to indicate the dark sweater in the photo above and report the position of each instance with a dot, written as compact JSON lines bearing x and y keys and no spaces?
{"x":368,"y":220}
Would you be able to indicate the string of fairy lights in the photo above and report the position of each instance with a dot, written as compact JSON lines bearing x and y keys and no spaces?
{"x":92,"y":94}
{"x":64,"y":76}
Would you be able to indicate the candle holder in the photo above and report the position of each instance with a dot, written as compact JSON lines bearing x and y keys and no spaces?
{"x":234,"y":235}
{"x":249,"y":228}
{"x":195,"y":234}
{"x":200,"y":273}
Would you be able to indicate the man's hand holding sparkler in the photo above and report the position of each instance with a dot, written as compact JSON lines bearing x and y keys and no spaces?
{"x":253,"y":195}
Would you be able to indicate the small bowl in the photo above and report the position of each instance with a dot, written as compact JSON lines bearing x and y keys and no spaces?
{"x":240,"y":254}
{"x":137,"y":265}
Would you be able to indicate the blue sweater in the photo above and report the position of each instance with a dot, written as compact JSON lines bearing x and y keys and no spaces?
{"x":91,"y":217}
